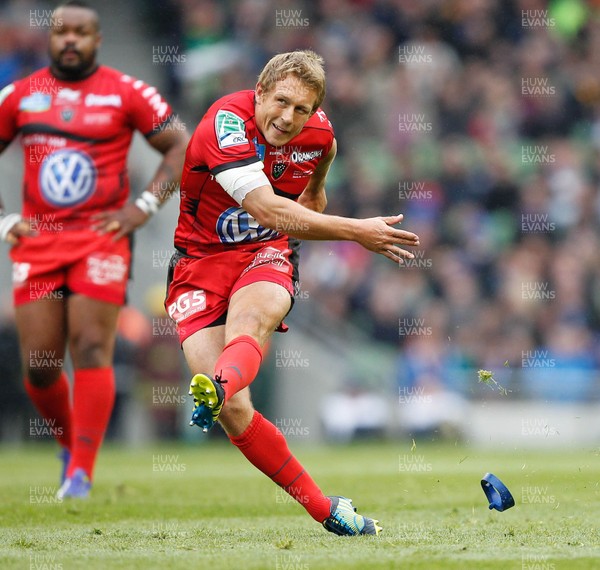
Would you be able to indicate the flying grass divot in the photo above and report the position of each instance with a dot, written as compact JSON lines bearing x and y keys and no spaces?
{"x":487,"y":377}
{"x":496,"y":492}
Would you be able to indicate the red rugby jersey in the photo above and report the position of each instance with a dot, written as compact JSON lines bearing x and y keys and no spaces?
{"x":227,"y":137}
{"x":75,"y":137}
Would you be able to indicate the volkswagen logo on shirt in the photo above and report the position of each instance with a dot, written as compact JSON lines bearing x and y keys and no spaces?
{"x":235,"y":225}
{"x":67,"y":178}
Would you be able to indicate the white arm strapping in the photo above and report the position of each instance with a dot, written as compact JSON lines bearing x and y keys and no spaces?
{"x":7,"y":222}
{"x":148,"y":203}
{"x":238,"y":182}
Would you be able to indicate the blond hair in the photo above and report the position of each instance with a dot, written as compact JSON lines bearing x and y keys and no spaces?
{"x":304,"y":64}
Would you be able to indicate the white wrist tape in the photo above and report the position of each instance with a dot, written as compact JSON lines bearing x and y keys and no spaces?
{"x":237,"y":182}
{"x":7,"y":222}
{"x":148,"y":203}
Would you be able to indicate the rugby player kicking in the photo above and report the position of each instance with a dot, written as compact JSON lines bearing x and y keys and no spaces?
{"x":253,"y":183}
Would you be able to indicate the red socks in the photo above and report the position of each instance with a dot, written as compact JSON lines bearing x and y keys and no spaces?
{"x":238,"y":364}
{"x":93,"y":400}
{"x":53,"y":404}
{"x":262,"y":443}
{"x":265,"y":447}
{"x":79,"y":429}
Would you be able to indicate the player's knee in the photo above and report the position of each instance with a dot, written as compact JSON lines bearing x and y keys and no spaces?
{"x":91,"y":352}
{"x":236,"y":415}
{"x":43,"y":376}
{"x":236,"y":407}
{"x":250,"y":321}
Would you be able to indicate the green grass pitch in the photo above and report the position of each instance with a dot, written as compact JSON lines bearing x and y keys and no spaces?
{"x":203,"y":506}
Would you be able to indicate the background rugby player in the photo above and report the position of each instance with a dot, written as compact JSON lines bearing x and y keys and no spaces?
{"x":70,"y":253}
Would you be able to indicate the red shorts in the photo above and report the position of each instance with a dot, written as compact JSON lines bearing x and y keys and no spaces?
{"x":83,"y":261}
{"x":199,"y":289}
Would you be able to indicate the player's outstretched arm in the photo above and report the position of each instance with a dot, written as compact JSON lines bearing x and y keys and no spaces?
{"x":375,"y":234}
{"x":172,"y":143}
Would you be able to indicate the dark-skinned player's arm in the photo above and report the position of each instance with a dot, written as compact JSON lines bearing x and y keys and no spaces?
{"x":12,"y":226}
{"x":172,"y":144}
{"x":314,"y":196}
{"x":375,"y":234}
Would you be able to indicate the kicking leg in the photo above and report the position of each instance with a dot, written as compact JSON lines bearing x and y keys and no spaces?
{"x":256,"y":437}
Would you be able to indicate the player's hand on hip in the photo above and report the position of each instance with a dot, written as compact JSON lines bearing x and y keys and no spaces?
{"x":380,"y":235}
{"x":119,"y":222}
{"x":12,"y":232}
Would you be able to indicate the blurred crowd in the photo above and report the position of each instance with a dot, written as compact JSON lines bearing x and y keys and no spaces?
{"x":479,"y":120}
